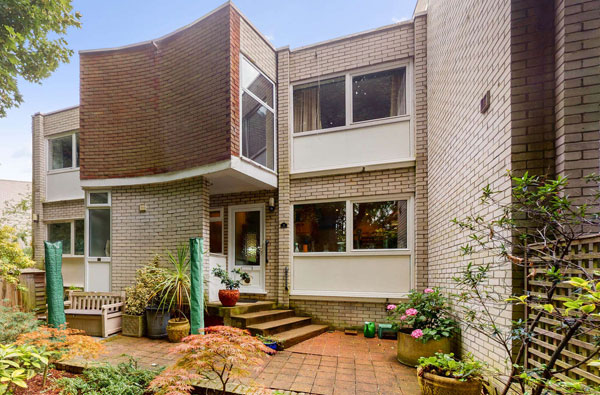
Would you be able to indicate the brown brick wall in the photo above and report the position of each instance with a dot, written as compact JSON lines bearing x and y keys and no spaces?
{"x":161,"y":106}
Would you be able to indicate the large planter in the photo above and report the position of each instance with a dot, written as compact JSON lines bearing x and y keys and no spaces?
{"x":229,"y":297}
{"x":410,"y":349}
{"x":134,"y":325}
{"x":156,"y":321}
{"x":432,"y":384}
{"x":178,"y":329}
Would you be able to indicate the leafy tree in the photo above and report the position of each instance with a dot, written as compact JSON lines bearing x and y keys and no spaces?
{"x":31,"y":43}
{"x":17,"y":214}
{"x":12,"y":257}
{"x":536,"y":230}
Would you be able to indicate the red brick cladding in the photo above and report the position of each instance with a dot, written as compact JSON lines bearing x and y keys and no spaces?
{"x":162,"y":106}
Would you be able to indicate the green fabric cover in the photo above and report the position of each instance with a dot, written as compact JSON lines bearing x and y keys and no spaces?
{"x":197,"y":292}
{"x":54,"y":284}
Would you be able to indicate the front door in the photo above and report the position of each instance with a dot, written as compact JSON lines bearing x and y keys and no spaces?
{"x":246,"y":244}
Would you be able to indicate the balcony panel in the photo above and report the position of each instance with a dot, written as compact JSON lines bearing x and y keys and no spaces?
{"x":63,"y":185}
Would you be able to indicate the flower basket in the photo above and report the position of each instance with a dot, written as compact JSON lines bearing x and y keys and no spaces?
{"x":134,"y":325}
{"x":432,"y":384}
{"x":410,"y":350}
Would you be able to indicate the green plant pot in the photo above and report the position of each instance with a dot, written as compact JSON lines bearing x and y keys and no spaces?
{"x":432,"y":384}
{"x":410,"y":350}
{"x":134,"y":325}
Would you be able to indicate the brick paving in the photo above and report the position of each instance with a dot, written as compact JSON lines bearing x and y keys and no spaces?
{"x":330,"y":364}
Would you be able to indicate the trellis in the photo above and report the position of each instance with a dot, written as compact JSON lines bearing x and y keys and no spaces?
{"x":586,"y":251}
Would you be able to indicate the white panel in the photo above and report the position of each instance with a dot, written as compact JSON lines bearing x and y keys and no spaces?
{"x":374,"y":275}
{"x":63,"y":185}
{"x":214,"y":283}
{"x":73,"y":272}
{"x":99,"y":277}
{"x":383,"y":143}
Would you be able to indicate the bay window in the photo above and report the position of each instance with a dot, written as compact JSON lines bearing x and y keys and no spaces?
{"x":63,"y":152}
{"x":71,"y":233}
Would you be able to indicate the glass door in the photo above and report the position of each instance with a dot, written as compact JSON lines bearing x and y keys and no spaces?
{"x":246,"y":244}
{"x":98,"y":247}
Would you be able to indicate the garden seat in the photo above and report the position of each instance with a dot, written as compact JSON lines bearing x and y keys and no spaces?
{"x":96,"y":313}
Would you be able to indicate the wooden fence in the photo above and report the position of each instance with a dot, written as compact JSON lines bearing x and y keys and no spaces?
{"x":31,"y":299}
{"x":587,"y":252}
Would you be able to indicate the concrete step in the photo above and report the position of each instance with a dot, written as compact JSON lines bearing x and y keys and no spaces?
{"x":297,"y":335}
{"x":258,"y":317}
{"x":278,"y":326}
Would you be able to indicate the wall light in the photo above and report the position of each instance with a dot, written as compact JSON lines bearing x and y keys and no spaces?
{"x":271,"y":204}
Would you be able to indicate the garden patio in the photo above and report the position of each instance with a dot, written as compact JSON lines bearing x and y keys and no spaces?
{"x":331,"y":363}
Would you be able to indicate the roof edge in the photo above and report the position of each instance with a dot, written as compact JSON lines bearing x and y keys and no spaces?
{"x":245,"y":18}
{"x":44,"y":114}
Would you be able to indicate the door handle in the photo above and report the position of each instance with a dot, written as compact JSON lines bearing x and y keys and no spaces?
{"x":266,"y":251}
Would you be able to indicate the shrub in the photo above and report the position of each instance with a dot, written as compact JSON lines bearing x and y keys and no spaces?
{"x":123,"y":379}
{"x":14,"y":323}
{"x":229,"y":282}
{"x":19,"y":363}
{"x":445,"y":365}
{"x":12,"y":256}
{"x":141,"y":294}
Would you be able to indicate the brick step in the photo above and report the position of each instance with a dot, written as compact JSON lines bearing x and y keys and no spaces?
{"x":259,"y":317}
{"x":297,"y":335}
{"x":278,"y":326}
{"x":216,"y":309}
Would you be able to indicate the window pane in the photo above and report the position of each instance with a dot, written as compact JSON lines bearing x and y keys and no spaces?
{"x":247,"y":238}
{"x":216,"y":237}
{"x":320,"y":227}
{"x":79,"y":235}
{"x":380,"y":225}
{"x":99,"y":198}
{"x":77,"y":149}
{"x":99,"y":232}
{"x":320,"y":105}
{"x":61,"y":232}
{"x":258,"y":132}
{"x":256,"y":83}
{"x":379,"y":95}
{"x":61,"y":152}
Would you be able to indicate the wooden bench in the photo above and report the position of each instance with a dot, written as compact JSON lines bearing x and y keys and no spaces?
{"x":97,"y":313}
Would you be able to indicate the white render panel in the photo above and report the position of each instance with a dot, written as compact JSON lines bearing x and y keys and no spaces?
{"x":341,"y":275}
{"x":63,"y":185}
{"x":98,"y":277}
{"x":369,"y":145}
{"x":73,"y":272}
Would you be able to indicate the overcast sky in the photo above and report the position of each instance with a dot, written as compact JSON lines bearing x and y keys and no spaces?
{"x":110,"y":23}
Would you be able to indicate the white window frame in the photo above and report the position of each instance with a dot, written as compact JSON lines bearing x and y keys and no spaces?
{"x":350,"y":124}
{"x":217,"y":219}
{"x":350,"y":250}
{"x":72,"y":223}
{"x":74,"y":167}
{"x":87,"y":199}
{"x":273,"y":109}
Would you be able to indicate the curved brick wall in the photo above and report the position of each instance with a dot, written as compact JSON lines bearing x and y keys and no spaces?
{"x":163,"y":106}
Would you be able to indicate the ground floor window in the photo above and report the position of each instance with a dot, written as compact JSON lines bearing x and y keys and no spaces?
{"x":320,"y":227}
{"x":379,"y":225}
{"x":71,"y":233}
{"x":216,"y":231}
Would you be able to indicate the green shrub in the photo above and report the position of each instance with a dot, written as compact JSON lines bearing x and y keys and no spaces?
{"x":14,"y":322}
{"x":124,"y":379}
{"x":143,"y":292}
{"x":445,"y":365}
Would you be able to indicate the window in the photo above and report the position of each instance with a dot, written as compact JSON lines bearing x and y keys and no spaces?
{"x":320,"y":105}
{"x":379,"y":225}
{"x":216,"y":231}
{"x":70,"y":233}
{"x":379,"y":95}
{"x":99,"y":224}
{"x":98,"y":198}
{"x":320,"y":227}
{"x":351,"y":98}
{"x":258,"y":116}
{"x":61,"y":153}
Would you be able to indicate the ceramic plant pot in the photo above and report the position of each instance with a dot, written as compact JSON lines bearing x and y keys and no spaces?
{"x":156,"y":321}
{"x":229,"y":297}
{"x":177,"y":329}
{"x":134,"y":325}
{"x":410,"y":349}
{"x":432,"y":384}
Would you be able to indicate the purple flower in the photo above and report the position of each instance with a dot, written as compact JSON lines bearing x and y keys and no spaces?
{"x":391,"y":307}
{"x":411,"y":311}
{"x":428,"y":290}
{"x":417,"y":333}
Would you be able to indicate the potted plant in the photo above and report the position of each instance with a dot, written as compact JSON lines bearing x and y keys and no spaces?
{"x":156,"y":317}
{"x":174,"y":293}
{"x":442,"y":374}
{"x":231,"y":294}
{"x":269,"y":341}
{"x":424,"y":325}
{"x":137,"y":297}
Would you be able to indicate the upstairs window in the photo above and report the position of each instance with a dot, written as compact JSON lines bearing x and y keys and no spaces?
{"x":379,"y":95}
{"x":319,"y":105}
{"x":63,"y":152}
{"x":258,"y":116}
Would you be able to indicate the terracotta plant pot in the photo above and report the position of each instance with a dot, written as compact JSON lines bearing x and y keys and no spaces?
{"x":410,"y":350}
{"x":134,"y":325}
{"x":432,"y":384}
{"x":229,"y":297}
{"x":177,"y":329}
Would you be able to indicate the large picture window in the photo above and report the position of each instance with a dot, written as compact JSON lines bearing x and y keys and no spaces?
{"x":320,"y":227}
{"x":258,"y":116}
{"x":63,"y":152}
{"x":71,"y":234}
{"x":379,"y":225}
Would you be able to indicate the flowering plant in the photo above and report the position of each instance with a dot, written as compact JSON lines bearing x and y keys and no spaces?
{"x":426,"y":313}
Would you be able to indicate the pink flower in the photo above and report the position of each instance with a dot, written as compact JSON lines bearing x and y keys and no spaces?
{"x":391,"y":307}
{"x":428,"y":290}
{"x":411,"y":312}
{"x":403,"y":317}
{"x":417,"y":333}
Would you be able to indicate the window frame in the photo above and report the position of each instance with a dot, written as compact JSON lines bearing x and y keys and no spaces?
{"x":72,"y":224}
{"x":349,"y":75}
{"x":75,"y":156}
{"x":222,"y":219}
{"x":87,"y":199}
{"x":350,"y":250}
{"x":273,"y":109}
